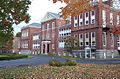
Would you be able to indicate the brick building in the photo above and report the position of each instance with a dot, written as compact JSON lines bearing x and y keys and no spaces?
{"x":92,"y":30}
{"x":16,"y":45}
{"x":63,"y":32}
{"x":26,"y":37}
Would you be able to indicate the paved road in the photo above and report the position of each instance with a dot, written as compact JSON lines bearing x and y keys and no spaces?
{"x":38,"y":60}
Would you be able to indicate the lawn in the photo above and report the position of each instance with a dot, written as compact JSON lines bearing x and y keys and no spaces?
{"x":82,"y":71}
{"x":9,"y":56}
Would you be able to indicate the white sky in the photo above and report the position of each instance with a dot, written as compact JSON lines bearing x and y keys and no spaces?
{"x":37,"y":10}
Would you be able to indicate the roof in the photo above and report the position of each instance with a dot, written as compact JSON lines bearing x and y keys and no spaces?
{"x":37,"y":25}
{"x":54,"y":14}
{"x":49,"y":16}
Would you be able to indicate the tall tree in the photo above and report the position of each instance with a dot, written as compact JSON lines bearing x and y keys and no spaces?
{"x":71,"y":43}
{"x":12,"y":12}
{"x":18,"y":34}
{"x":74,"y":7}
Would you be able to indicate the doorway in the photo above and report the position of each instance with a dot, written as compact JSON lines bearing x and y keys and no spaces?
{"x":47,"y":48}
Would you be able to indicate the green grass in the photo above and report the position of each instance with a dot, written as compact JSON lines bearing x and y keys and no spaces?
{"x":30,"y":57}
{"x":83,"y":71}
{"x":10,"y":56}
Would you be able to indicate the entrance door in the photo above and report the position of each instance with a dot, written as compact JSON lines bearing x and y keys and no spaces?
{"x":87,"y":54}
{"x":43,"y":48}
{"x":47,"y":48}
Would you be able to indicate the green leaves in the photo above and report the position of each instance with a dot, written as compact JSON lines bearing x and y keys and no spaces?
{"x":12,"y":12}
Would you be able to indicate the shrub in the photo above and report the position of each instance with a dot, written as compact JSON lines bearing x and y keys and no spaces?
{"x":59,"y":63}
{"x":52,"y":62}
{"x":55,"y":63}
{"x":52,"y":54}
{"x":9,"y":56}
{"x":70,"y":63}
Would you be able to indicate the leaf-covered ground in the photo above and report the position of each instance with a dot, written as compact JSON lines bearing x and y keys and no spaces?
{"x":81,"y":71}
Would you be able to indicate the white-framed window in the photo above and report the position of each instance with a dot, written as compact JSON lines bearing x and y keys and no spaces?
{"x":53,"y":35}
{"x":104,"y":17}
{"x":86,"y":18}
{"x":93,"y":39}
{"x":43,"y":36}
{"x":48,"y":26}
{"x":111,"y":18}
{"x":36,"y":37}
{"x":59,"y":23}
{"x":75,"y":21}
{"x":118,"y":19}
{"x":25,"y":33}
{"x":112,"y":39}
{"x":43,"y":27}
{"x":104,"y":38}
{"x":53,"y":46}
{"x":118,"y":40}
{"x":18,"y":43}
{"x":61,"y":44}
{"x":81,"y":39}
{"x":86,"y":39}
{"x":92,"y":17}
{"x":47,"y":35}
{"x":81,"y":19}
{"x":53,"y":25}
{"x":36,"y":45}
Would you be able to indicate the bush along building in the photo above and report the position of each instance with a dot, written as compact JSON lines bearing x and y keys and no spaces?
{"x":92,"y":28}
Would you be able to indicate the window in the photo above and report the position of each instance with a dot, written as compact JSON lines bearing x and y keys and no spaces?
{"x":81,"y":19}
{"x":86,"y":39}
{"x":118,"y":40}
{"x":53,"y":24}
{"x":18,"y":43}
{"x":47,"y":35}
{"x":111,"y":18}
{"x":48,"y":26}
{"x":92,"y":17}
{"x":53,"y":35}
{"x":81,"y":39}
{"x":75,"y":21}
{"x":104,"y":38}
{"x":86,"y":18}
{"x":93,"y":42}
{"x":111,"y":39}
{"x":118,"y":19}
{"x":53,"y":46}
{"x":104,"y":17}
{"x":43,"y":27}
{"x":59,"y":23}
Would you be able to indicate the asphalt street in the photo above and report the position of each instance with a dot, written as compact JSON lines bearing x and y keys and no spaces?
{"x":39,"y":60}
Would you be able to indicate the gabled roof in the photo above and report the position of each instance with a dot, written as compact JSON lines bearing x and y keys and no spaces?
{"x":37,"y":25}
{"x":50,"y":16}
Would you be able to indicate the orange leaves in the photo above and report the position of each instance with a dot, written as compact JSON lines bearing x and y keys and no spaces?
{"x":115,"y":30}
{"x":74,"y":7}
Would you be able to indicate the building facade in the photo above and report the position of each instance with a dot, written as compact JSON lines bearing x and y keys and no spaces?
{"x":26,"y":37}
{"x":16,"y":45}
{"x":92,"y":30}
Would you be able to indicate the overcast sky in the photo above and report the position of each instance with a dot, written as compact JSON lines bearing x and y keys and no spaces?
{"x":37,"y":10}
